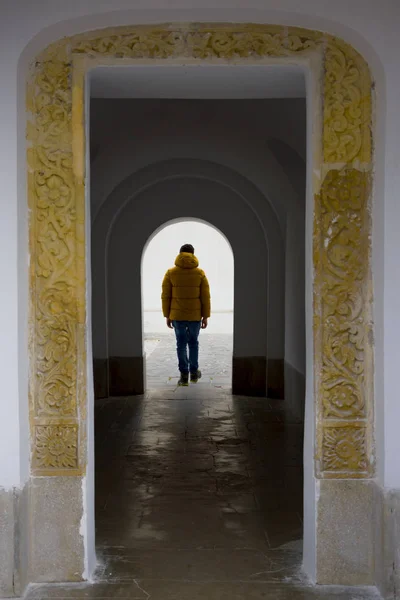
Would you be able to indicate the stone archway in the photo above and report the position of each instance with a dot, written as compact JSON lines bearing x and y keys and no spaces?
{"x":340,"y":407}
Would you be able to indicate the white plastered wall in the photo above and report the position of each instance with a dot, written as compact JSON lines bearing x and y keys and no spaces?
{"x":27,"y":27}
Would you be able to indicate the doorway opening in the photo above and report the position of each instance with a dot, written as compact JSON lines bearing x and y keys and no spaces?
{"x":216,"y":341}
{"x":218,"y":464}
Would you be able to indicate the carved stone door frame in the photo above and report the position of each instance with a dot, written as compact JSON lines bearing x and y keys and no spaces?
{"x":341,"y":172}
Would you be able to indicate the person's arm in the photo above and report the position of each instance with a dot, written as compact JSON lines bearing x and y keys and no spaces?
{"x":166,"y":296}
{"x":205,"y":302}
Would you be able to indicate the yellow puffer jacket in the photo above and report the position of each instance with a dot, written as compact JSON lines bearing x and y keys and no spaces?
{"x":185,"y":290}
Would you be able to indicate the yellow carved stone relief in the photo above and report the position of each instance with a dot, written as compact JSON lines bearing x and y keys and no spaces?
{"x":342,"y":299}
{"x":347,"y":105}
{"x":341,"y":289}
{"x":56,"y":447}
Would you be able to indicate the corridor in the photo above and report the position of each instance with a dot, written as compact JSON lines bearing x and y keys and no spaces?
{"x":198,"y":493}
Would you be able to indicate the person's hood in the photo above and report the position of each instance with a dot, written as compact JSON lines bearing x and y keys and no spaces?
{"x":186,"y":260}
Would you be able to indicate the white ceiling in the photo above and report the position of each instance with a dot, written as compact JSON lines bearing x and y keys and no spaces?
{"x":198,"y":82}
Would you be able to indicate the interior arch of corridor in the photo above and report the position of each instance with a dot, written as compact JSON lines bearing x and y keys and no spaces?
{"x":104,"y":230}
{"x":275,"y":167}
{"x":214,"y":284}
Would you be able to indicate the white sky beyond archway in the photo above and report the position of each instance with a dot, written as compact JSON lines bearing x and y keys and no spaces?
{"x":216,"y":259}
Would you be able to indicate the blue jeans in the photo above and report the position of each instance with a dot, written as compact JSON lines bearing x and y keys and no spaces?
{"x":187,"y":333}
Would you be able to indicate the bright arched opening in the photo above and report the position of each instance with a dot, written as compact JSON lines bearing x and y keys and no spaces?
{"x":216,"y":259}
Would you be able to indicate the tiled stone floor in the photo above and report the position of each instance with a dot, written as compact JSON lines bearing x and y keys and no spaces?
{"x":198,"y":493}
{"x":215,"y":360}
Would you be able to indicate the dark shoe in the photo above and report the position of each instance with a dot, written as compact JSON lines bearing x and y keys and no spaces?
{"x":194,"y":377}
{"x":184,"y":380}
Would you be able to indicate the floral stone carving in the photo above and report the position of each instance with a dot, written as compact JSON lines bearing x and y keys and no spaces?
{"x":56,"y":447}
{"x":344,"y":450}
{"x":341,"y":291}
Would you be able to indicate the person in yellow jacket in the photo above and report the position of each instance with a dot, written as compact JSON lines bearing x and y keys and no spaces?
{"x":186,"y":306}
